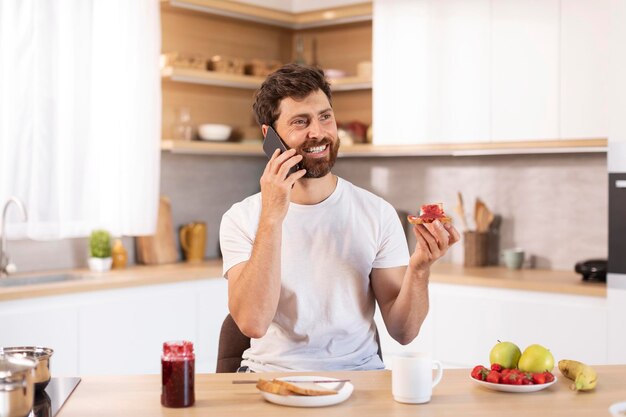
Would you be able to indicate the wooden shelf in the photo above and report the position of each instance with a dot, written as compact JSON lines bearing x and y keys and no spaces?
{"x":597,"y":145}
{"x":195,"y":76}
{"x":316,"y":18}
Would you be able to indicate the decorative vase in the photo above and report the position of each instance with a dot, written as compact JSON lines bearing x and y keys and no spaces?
{"x":100,"y":264}
{"x":119,"y":255}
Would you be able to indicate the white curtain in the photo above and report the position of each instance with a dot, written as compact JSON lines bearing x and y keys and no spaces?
{"x":80,"y":115}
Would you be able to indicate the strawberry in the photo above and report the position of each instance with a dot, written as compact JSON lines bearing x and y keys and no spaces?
{"x":513,"y":378}
{"x":480,"y":372}
{"x":494,"y":377}
{"x":527,"y":378}
{"x":539,"y":378}
{"x":496,"y":367}
{"x":549,"y":376}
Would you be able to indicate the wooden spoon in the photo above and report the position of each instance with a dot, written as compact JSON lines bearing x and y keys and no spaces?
{"x":460,"y":210}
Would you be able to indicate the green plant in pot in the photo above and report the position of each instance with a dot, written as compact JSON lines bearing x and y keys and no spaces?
{"x":100,"y":251}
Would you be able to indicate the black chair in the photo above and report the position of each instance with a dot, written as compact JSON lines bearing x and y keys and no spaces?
{"x":233,"y":343}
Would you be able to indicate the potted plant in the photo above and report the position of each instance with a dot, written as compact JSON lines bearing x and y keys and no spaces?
{"x":100,"y":251}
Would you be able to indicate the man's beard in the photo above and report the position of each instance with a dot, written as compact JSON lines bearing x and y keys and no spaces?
{"x":317,"y":167}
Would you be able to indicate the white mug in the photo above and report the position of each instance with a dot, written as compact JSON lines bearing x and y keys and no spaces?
{"x":412,"y":377}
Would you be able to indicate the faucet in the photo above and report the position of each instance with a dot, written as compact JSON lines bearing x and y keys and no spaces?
{"x":6,"y":267}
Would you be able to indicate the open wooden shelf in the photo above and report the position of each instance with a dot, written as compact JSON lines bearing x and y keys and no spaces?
{"x":315,"y":18}
{"x":596,"y":145}
{"x":195,"y":76}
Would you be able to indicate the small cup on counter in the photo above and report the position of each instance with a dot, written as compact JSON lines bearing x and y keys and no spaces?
{"x":513,"y":258}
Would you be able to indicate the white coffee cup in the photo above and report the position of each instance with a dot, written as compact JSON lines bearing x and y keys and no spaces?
{"x":412,"y":377}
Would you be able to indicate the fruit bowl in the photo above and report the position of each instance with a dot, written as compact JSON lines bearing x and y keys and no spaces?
{"x":514,"y":388}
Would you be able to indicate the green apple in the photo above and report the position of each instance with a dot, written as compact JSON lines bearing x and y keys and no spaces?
{"x":506,"y":354}
{"x":536,"y":358}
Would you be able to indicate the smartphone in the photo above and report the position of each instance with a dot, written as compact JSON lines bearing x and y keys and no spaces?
{"x":272,"y":142}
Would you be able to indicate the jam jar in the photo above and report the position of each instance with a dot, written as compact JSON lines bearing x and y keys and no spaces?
{"x":177,"y":374}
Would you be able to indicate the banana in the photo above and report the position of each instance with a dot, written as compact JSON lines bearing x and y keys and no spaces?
{"x":584,"y":376}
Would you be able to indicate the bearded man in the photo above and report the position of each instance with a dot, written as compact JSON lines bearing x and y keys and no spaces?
{"x":309,"y":256}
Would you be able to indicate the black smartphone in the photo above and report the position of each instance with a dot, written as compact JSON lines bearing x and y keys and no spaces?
{"x":272,"y":142}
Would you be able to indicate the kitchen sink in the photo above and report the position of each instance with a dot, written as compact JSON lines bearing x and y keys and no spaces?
{"x":37,"y":279}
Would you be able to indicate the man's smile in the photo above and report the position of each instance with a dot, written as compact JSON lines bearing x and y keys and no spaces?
{"x":316,"y":149}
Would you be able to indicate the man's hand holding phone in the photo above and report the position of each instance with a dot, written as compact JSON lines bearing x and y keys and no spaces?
{"x":279,"y":177}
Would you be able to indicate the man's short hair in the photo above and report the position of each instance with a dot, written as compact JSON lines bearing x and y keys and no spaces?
{"x":291,"y":80}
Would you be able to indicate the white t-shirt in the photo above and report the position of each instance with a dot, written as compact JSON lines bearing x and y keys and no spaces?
{"x":325,"y":315}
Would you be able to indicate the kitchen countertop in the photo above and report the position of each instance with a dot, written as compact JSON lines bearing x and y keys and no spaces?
{"x":456,"y":395}
{"x":563,"y":282}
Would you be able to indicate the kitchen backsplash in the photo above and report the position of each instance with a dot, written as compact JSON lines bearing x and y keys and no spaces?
{"x":553,"y":206}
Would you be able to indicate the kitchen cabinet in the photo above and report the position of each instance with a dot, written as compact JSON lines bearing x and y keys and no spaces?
{"x":525,"y":70}
{"x":119,"y":331}
{"x":584,"y":60}
{"x":431,"y":72}
{"x":464,"y":323}
{"x":43,"y":322}
{"x":471,"y":72}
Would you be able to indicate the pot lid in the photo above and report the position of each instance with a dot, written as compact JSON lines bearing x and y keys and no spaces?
{"x":11,"y":365}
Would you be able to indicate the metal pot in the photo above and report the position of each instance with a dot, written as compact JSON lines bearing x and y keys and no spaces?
{"x":41,"y":355}
{"x":16,"y":385}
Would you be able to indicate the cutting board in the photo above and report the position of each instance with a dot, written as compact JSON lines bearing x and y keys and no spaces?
{"x":159,"y":248}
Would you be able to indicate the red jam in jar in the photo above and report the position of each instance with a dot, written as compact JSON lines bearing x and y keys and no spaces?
{"x":177,"y":374}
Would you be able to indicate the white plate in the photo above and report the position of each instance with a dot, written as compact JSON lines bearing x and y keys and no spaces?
{"x":618,"y":409}
{"x":513,"y":388}
{"x":344,"y":390}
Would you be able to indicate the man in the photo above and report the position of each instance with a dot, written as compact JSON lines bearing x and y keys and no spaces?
{"x":307,"y":257}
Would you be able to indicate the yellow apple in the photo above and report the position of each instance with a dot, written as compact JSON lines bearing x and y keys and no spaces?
{"x":536,"y":358}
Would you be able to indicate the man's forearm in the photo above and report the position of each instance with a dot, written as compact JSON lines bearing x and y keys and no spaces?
{"x":409,"y":309}
{"x":253,"y":296}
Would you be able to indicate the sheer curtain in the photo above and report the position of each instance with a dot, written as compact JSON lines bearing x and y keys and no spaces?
{"x":80,"y":115}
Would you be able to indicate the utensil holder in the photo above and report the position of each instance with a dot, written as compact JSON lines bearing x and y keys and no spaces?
{"x":476,"y":248}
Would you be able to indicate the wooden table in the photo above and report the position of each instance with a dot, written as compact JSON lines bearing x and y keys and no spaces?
{"x":456,"y":395}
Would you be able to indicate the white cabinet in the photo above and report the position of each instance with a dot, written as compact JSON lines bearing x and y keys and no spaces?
{"x":431,"y":71}
{"x":131,"y":325}
{"x":584,"y":68}
{"x":119,"y":331}
{"x":480,"y":70}
{"x":525,"y":69}
{"x":468,"y":321}
{"x":464,"y":322}
{"x":50,"y":323}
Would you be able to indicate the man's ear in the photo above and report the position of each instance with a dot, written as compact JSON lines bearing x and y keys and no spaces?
{"x":264,"y":130}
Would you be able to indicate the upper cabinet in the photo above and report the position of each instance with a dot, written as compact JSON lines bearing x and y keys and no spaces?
{"x":431,"y":71}
{"x":525,"y":69}
{"x":584,"y":68}
{"x":489,"y":71}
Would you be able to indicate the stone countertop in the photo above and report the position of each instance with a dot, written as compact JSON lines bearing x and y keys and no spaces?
{"x":564,"y":282}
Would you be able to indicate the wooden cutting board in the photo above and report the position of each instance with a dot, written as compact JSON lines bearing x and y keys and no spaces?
{"x":159,"y":248}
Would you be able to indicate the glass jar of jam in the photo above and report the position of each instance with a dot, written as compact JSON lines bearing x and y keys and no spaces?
{"x":177,"y":374}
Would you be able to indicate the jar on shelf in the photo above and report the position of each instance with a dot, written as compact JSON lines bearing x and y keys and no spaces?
{"x":119,"y":255}
{"x":177,"y":374}
{"x":183,"y":129}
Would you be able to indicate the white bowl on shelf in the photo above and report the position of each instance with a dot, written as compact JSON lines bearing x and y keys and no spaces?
{"x":212,"y":131}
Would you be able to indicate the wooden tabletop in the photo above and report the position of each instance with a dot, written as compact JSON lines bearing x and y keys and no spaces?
{"x":456,"y":395}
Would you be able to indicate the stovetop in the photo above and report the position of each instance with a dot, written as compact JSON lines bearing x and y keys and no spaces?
{"x":49,"y":402}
